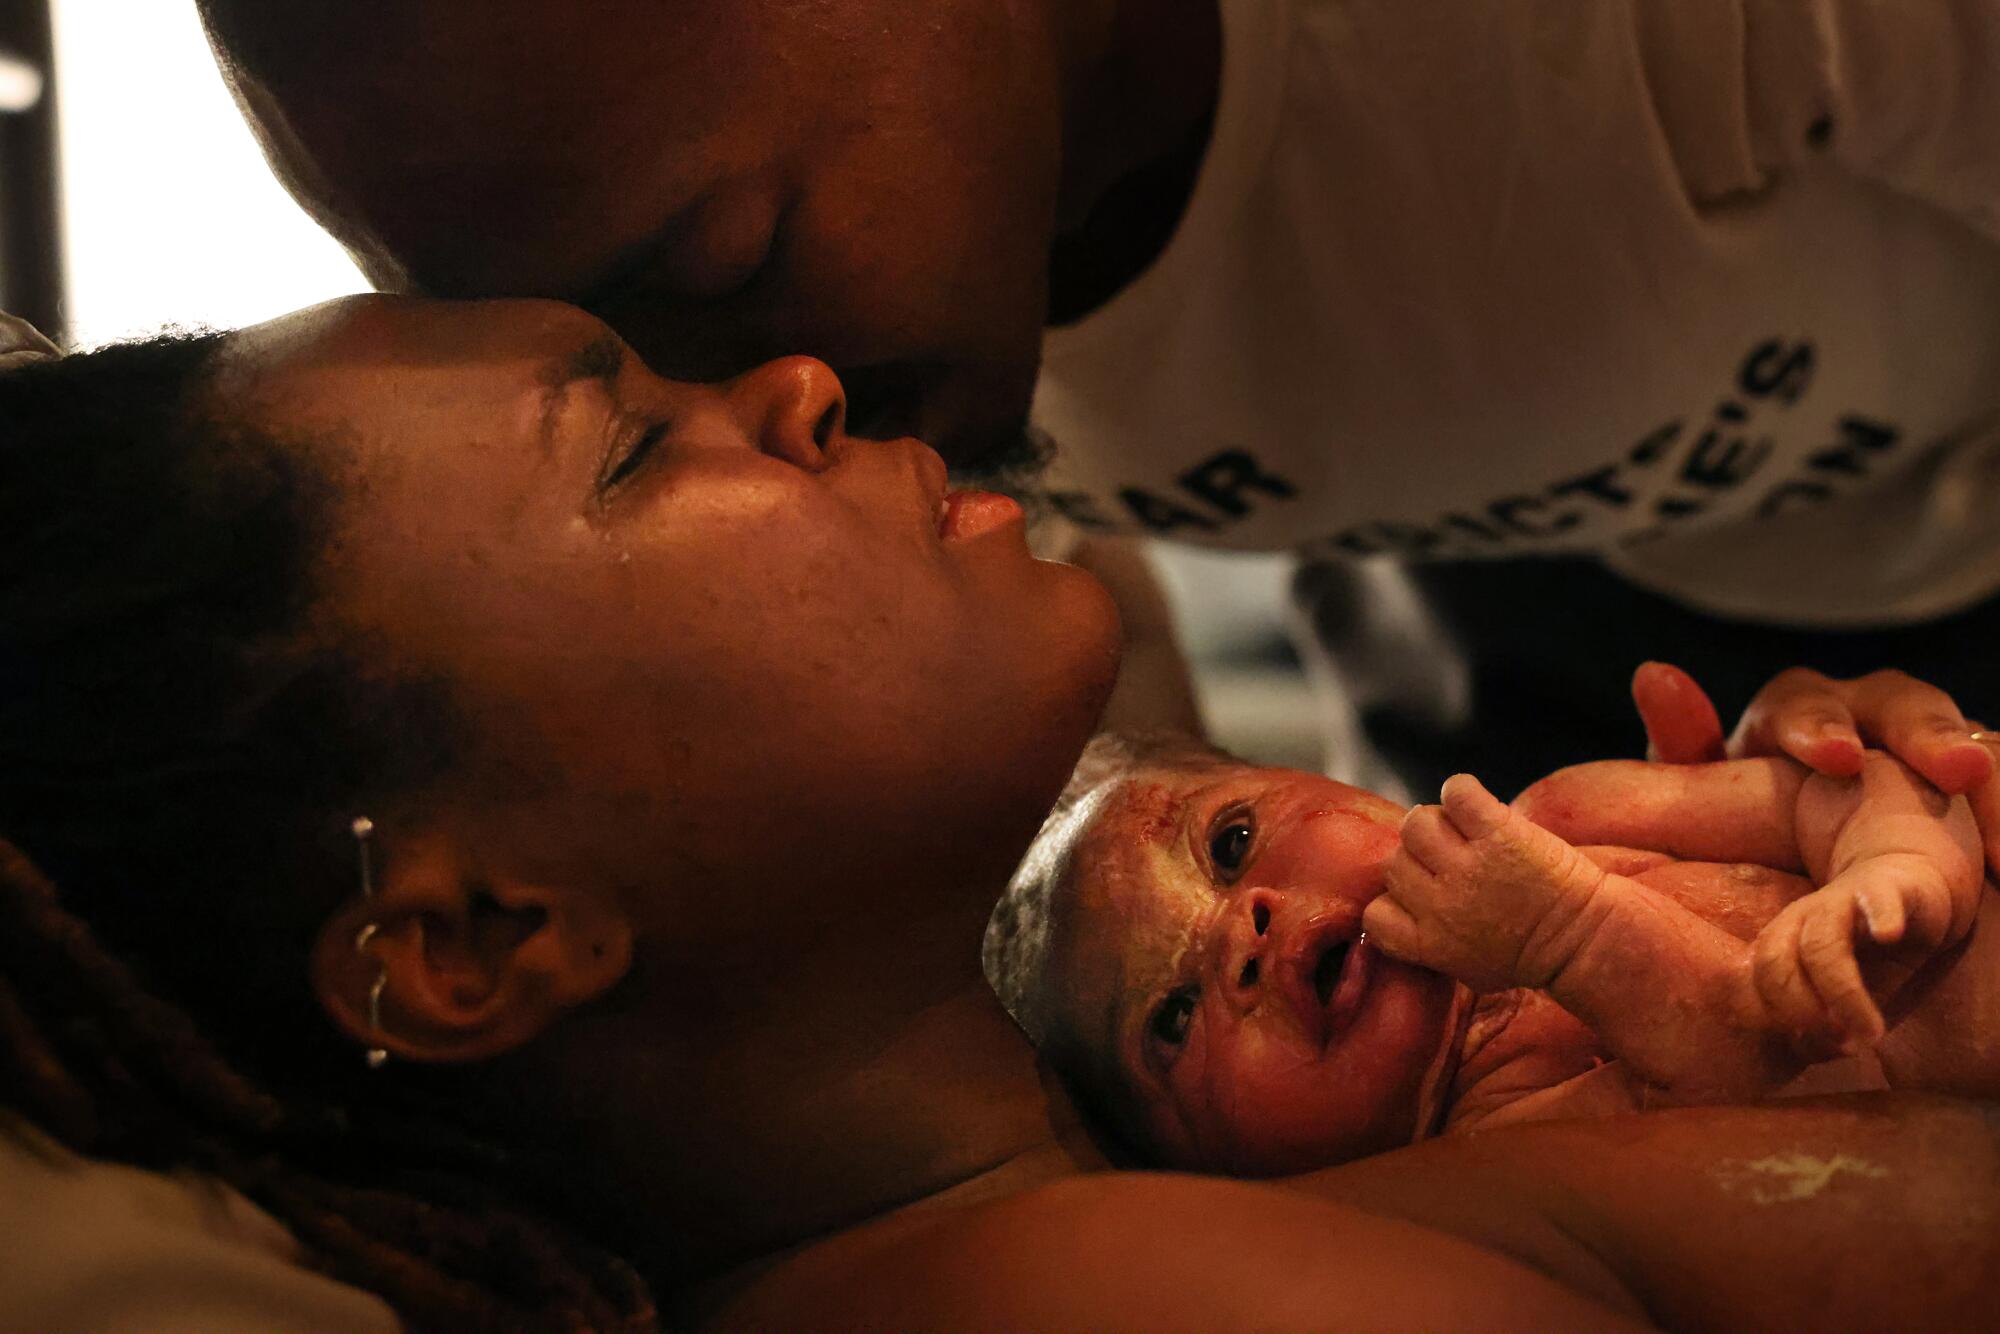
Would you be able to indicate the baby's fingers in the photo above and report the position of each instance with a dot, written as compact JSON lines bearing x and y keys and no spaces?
{"x":1430,"y":841}
{"x":1905,"y":902}
{"x":1985,"y":801}
{"x":1883,"y":912}
{"x":1390,"y":929}
{"x":1792,"y":1005}
{"x":1790,"y":1001}
{"x":1473,"y":811}
{"x":1826,"y":947}
{"x":1930,"y":916}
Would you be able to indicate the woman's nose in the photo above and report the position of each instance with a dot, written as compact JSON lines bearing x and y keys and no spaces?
{"x":1247,"y":945}
{"x":792,"y":408}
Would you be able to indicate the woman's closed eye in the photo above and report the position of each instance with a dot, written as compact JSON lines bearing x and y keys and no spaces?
{"x":625,"y":462}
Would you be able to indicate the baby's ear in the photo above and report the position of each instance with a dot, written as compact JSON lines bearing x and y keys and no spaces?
{"x":468,"y":965}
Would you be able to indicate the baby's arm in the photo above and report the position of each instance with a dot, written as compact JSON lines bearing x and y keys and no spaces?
{"x":1480,"y":893}
{"x":1898,"y":864}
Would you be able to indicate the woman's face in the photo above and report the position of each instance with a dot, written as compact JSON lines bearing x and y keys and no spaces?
{"x":707,"y":646}
{"x":1211,"y":949}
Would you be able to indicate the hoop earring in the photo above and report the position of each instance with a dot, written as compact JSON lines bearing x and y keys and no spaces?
{"x":364,"y":830}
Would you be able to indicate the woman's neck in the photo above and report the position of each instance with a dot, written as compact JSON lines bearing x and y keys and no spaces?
{"x":877,"y":1074}
{"x":958,"y":1114}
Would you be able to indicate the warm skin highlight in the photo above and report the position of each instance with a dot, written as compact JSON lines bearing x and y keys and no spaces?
{"x":1175,"y":978}
{"x":789,"y":1101}
{"x":1156,"y":920}
{"x":607,"y":643}
{"x":1258,"y":971}
{"x":696,"y":640}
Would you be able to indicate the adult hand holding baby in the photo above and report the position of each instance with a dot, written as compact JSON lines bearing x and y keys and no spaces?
{"x":1489,"y":895}
{"x":1825,"y":723}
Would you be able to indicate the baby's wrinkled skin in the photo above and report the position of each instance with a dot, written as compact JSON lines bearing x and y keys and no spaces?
{"x":1485,"y":894}
{"x":1209,"y":982}
{"x":1225,"y":1010}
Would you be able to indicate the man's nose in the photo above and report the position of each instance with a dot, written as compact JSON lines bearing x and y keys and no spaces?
{"x":1244,"y":962}
{"x":793,"y":408}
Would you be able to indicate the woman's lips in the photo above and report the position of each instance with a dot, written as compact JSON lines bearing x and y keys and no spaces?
{"x":968,"y":514}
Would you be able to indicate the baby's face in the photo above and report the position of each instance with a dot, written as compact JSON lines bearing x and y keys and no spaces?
{"x":1212,"y":972}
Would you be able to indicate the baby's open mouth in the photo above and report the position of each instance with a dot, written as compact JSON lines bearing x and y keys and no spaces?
{"x":1330,"y":980}
{"x":1326,"y":973}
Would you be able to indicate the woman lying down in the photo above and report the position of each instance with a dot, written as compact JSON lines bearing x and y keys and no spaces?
{"x":527,"y":825}
{"x":1261,"y":971}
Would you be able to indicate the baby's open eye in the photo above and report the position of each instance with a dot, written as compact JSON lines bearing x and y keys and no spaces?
{"x":1229,"y":845}
{"x":1172,"y":1018}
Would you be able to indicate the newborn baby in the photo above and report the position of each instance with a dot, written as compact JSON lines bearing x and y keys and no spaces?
{"x":1186,"y":944}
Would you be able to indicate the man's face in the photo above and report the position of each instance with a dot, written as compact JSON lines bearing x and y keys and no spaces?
{"x":724,"y":181}
{"x":1209,"y":968}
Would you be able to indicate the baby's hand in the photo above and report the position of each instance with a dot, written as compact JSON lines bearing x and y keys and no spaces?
{"x":1893,"y":911}
{"x":1480,"y":894}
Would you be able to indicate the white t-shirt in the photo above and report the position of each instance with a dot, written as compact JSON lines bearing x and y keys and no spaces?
{"x":1709,"y":287}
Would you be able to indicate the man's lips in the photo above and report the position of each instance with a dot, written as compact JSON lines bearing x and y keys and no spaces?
{"x":1326,"y":975}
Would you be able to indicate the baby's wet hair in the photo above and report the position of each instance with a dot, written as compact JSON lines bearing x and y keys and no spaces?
{"x":1020,"y":934}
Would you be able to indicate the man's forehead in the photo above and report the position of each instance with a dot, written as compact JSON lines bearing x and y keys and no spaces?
{"x":555,"y":141}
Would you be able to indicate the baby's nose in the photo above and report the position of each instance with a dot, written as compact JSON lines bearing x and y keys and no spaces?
{"x":1244,"y":961}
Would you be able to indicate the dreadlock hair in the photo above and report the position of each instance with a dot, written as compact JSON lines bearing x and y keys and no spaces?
{"x":180,"y":749}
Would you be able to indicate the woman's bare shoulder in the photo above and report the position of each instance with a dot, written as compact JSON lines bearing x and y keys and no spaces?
{"x":1154,"y":1252}
{"x":1869,"y":1211}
